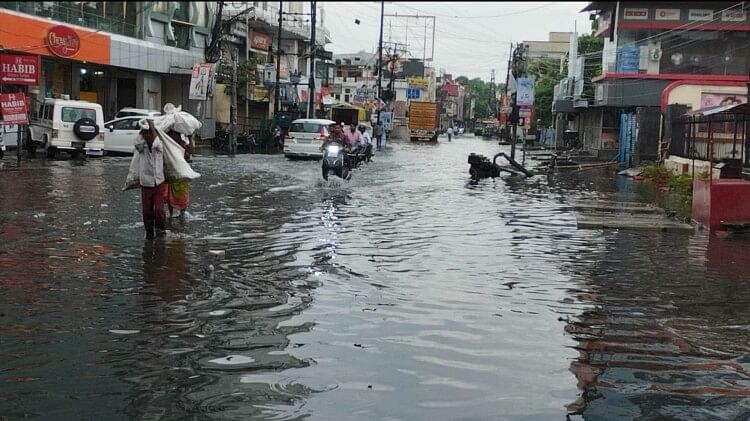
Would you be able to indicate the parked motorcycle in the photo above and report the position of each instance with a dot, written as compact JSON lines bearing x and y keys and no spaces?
{"x":334,"y":159}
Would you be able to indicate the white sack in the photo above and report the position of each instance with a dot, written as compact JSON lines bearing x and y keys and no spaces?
{"x":185,"y":123}
{"x":175,"y":166}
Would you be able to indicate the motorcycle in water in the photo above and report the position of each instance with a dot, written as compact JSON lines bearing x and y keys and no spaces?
{"x":334,"y":159}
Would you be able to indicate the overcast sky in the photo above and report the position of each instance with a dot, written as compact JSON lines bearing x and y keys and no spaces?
{"x":471,"y":38}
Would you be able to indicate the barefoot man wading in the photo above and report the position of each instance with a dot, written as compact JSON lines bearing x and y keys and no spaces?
{"x":151,"y":178}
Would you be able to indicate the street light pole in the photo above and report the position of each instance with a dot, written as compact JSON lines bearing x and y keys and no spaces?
{"x":313,"y":50}
{"x":380,"y":73}
{"x":277,"y":87}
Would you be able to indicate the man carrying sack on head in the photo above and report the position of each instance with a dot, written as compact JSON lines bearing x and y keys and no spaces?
{"x":151,"y":178}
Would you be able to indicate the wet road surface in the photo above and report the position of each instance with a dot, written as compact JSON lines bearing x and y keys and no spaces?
{"x":405,"y":294}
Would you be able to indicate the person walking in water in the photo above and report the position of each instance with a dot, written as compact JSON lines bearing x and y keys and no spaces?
{"x":177,"y":193}
{"x":450,"y":133}
{"x":151,"y":179}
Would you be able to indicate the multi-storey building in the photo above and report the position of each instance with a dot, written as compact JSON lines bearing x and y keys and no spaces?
{"x":655,"y":54}
{"x":119,"y":54}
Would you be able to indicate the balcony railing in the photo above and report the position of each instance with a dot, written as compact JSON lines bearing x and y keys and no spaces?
{"x":76,"y":15}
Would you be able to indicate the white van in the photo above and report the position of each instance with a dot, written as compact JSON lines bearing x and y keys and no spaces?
{"x":72,"y":126}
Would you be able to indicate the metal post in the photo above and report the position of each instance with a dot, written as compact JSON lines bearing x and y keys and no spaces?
{"x":380,"y":75}
{"x":513,"y":106}
{"x":313,"y":49}
{"x":277,"y":87}
{"x":233,"y":108}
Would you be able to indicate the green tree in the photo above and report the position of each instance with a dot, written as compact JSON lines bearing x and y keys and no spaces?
{"x":590,"y":47}
{"x":481,"y":92}
{"x":546,"y":73}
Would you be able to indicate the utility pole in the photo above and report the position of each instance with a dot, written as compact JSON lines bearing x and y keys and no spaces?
{"x":494,"y":94}
{"x":380,"y":74}
{"x":513,"y":113}
{"x":233,"y":108}
{"x":313,"y":50}
{"x":277,"y":86}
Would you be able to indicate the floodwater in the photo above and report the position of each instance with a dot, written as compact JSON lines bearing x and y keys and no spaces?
{"x":405,"y":294}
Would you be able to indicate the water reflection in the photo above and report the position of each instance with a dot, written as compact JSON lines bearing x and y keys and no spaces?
{"x":661,"y":340}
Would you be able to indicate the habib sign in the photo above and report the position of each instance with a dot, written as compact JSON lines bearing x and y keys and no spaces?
{"x":259,"y":41}
{"x":63,"y":41}
{"x":19,"y":70}
{"x":13,"y":108}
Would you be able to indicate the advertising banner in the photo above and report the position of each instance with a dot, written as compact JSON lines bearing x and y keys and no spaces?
{"x":525,"y":94}
{"x":259,"y":41}
{"x":412,"y":93}
{"x":13,"y":108}
{"x":710,"y":99}
{"x":628,"y":60}
{"x":418,"y":82}
{"x":201,"y":81}
{"x":700,"y":14}
{"x":450,"y":89}
{"x":632,"y":13}
{"x":667,"y":14}
{"x":19,"y":70}
{"x":734,"y":15}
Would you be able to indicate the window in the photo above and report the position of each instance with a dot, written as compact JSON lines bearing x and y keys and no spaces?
{"x":73,"y":114}
{"x":126,"y":124}
{"x":346,"y":98}
{"x":347,"y":91}
{"x":182,"y":12}
{"x":310,"y":128}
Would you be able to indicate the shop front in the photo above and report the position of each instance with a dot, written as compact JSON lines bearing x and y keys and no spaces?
{"x":74,"y":61}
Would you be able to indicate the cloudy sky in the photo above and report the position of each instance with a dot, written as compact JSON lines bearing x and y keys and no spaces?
{"x":471,"y":38}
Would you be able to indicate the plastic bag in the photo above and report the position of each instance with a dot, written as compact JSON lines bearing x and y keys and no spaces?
{"x":185,"y":123}
{"x":133,"y":180}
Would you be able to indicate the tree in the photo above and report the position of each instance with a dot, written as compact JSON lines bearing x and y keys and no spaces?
{"x":590,"y":46}
{"x":546,"y":73}
{"x":481,"y":92}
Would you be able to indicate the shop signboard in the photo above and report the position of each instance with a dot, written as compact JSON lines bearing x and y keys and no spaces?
{"x":628,"y":59}
{"x":259,"y":41}
{"x":13,"y":108}
{"x":201,"y":81}
{"x":667,"y":14}
{"x":19,"y":70}
{"x":412,"y":93}
{"x":635,"y":13}
{"x":450,"y":89}
{"x":525,"y":93}
{"x":700,"y":14}
{"x":63,"y":41}
{"x":418,"y":82}
{"x":734,"y":15}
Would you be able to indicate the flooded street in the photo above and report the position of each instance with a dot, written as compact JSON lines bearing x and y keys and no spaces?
{"x":405,"y":294}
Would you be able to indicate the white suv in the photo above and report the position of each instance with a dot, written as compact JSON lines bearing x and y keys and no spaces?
{"x":73,"y":126}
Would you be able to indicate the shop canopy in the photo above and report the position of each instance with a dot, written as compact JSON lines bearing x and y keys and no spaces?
{"x":722,"y":110}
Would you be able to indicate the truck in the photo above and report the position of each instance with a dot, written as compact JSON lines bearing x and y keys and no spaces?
{"x":423,"y":121}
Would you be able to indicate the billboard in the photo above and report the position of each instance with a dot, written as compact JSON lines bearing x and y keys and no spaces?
{"x":711,"y":99}
{"x":201,"y":81}
{"x":525,"y":93}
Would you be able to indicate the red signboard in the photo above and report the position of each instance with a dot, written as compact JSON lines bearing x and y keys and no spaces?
{"x":13,"y":108}
{"x":450,"y":89}
{"x":63,"y":41}
{"x":259,"y":41}
{"x":19,"y":70}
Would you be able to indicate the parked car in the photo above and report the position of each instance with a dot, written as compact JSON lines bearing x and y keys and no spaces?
{"x":128,"y":112}
{"x":120,"y":134}
{"x":306,"y":137}
{"x":72,"y":126}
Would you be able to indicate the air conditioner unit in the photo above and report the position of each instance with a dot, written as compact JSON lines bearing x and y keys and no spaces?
{"x":654,"y":54}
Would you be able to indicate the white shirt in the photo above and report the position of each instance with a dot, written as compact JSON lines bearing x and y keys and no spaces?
{"x":450,"y":130}
{"x":151,"y":171}
{"x":367,"y":138}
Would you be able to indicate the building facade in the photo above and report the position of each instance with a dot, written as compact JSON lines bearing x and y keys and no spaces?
{"x":655,"y":55}
{"x":118,"y":54}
